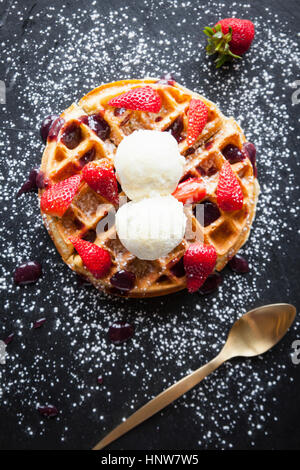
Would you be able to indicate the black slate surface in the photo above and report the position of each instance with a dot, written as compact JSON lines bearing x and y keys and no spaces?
{"x":53,"y":53}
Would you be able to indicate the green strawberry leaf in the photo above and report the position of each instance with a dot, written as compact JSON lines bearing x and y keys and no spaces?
{"x":219,"y":43}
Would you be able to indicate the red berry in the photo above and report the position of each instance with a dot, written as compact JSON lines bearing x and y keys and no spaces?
{"x":100,"y":176}
{"x":242,"y":34}
{"x":142,"y":99}
{"x":190,"y":191}
{"x":199,"y":262}
{"x":229,"y":38}
{"x":197,"y":119}
{"x":95,"y":259}
{"x":56,"y":199}
{"x":229,"y":192}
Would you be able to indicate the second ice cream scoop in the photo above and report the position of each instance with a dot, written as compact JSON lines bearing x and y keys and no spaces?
{"x":152,"y":227}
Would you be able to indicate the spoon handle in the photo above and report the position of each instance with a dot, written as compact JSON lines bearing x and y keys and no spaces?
{"x":161,"y":401}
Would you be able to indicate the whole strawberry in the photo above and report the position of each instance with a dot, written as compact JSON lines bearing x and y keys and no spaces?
{"x":229,"y":38}
{"x":100,"y":176}
{"x":141,"y":98}
{"x":197,"y":119}
{"x":199,"y":261}
{"x":229,"y":193}
{"x":56,"y":199}
{"x":95,"y":259}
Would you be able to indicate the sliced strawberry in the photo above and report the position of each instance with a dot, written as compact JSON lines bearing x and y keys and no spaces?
{"x":199,"y":261}
{"x":56,"y":199}
{"x":197,"y":119}
{"x":95,"y":259}
{"x":142,"y":99}
{"x":100,"y":176}
{"x":229,"y":193}
{"x":190,"y":191}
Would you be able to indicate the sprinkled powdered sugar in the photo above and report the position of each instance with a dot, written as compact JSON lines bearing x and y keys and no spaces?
{"x":69,"y":54}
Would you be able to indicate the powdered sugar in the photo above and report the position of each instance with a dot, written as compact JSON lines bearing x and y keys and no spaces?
{"x":71,"y":52}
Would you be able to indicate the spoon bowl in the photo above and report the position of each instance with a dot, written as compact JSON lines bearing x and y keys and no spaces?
{"x":258,"y":330}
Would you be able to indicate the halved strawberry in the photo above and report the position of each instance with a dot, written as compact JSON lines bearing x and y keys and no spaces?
{"x":197,"y":119}
{"x":95,"y":259}
{"x":142,"y":99}
{"x":100,"y":176}
{"x":229,"y":193}
{"x":199,"y":261}
{"x":190,"y":191}
{"x":56,"y":199}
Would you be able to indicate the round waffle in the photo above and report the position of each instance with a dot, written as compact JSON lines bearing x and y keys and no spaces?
{"x":205,"y":159}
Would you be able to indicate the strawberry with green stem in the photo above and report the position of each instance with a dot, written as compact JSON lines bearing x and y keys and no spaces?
{"x":230,"y":38}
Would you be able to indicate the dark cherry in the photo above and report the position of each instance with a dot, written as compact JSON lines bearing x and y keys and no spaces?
{"x":29,"y":185}
{"x":26,"y":187}
{"x":233,"y":154}
{"x":239,"y":264}
{"x":39,"y":323}
{"x":100,"y":380}
{"x":28,"y":273}
{"x":9,"y":338}
{"x":33,"y":175}
{"x":72,"y":136}
{"x":178,"y":268}
{"x":166,"y":79}
{"x":176,"y":128}
{"x":87,"y":157}
{"x":42,"y":181}
{"x":212,"y":283}
{"x":120,"y":331}
{"x":250,"y":151}
{"x":99,"y":126}
{"x":123,"y":280}
{"x":211,"y":213}
{"x":55,"y":128}
{"x":49,"y":411}
{"x":46,"y":125}
{"x":97,"y":123}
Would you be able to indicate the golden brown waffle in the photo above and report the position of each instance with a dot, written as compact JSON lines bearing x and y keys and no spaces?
{"x":165,"y":275}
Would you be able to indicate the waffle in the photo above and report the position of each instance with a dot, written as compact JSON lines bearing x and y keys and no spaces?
{"x":165,"y":275}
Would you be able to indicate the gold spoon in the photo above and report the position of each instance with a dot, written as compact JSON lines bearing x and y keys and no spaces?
{"x":254,"y":333}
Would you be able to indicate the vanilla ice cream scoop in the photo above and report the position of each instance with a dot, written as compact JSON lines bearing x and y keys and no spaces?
{"x":152,"y":227}
{"x":148,"y":163}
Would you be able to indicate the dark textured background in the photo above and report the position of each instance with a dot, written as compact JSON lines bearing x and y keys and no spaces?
{"x":176,"y":429}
